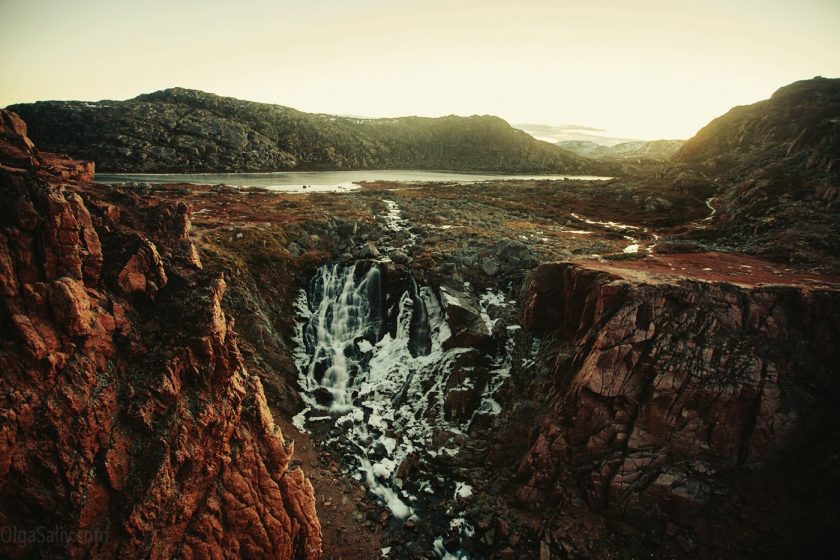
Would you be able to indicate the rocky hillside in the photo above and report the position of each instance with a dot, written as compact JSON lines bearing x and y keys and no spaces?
{"x":130,"y":427}
{"x":776,"y":168}
{"x":655,"y":150}
{"x":181,"y":130}
{"x":798,"y":127}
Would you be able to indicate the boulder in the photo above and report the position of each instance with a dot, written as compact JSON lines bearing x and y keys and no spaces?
{"x":399,"y":257}
{"x":369,"y":251}
{"x":490,"y":266}
{"x":464,"y":318}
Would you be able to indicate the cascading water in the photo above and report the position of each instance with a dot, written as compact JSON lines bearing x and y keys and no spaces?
{"x":364,"y":347}
{"x":345,"y":322}
{"x":374,"y":371}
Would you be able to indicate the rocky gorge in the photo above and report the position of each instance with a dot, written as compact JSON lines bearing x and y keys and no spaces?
{"x":659,"y":390}
{"x":507,"y":369}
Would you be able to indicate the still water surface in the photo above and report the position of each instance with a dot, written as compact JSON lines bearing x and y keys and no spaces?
{"x":317,"y":181}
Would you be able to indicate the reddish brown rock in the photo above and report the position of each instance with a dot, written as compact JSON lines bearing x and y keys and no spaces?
{"x":672,"y":382}
{"x":71,"y":306}
{"x":128,"y":419}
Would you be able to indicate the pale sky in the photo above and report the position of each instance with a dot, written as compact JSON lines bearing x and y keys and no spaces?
{"x":636,"y":68}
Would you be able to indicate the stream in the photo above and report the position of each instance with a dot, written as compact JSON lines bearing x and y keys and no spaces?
{"x":377,"y":370}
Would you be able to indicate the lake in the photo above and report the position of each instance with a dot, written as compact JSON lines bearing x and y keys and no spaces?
{"x":318,"y":181}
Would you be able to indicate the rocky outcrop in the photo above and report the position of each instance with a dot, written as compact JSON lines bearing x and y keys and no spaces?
{"x":182,"y":130}
{"x":129,"y":426}
{"x":464,"y":318}
{"x":668,"y":389}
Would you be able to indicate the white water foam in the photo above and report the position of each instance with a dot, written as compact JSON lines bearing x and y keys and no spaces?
{"x":364,"y":379}
{"x":395,"y":222}
{"x":385,"y":397}
{"x":630,"y":249}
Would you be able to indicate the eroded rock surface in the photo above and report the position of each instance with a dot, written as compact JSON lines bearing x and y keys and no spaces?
{"x":667,"y":390}
{"x":129,"y":423}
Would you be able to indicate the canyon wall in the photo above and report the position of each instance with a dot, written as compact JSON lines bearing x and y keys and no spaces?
{"x":129,"y":426}
{"x":666,"y":393}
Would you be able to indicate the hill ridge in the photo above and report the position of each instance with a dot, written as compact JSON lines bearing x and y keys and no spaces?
{"x":186,"y":130}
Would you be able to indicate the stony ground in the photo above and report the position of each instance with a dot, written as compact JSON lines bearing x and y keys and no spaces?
{"x":487,"y":234}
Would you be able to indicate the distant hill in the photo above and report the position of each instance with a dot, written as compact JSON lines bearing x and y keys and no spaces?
{"x":655,"y":150}
{"x":571,"y":132}
{"x":182,"y":130}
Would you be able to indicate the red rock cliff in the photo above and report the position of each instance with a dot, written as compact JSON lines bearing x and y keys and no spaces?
{"x":669,"y":387}
{"x":129,"y":427}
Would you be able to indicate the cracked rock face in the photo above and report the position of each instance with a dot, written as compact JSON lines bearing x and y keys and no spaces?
{"x":128,"y":418}
{"x":669,"y":384}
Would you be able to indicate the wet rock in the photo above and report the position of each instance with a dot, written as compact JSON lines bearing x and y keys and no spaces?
{"x":464,"y":318}
{"x":464,"y":386}
{"x":490,"y":266}
{"x":323,"y":396}
{"x":369,"y":251}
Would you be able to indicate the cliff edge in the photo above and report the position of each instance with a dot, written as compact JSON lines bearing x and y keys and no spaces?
{"x":703,"y":406}
{"x":129,"y":426}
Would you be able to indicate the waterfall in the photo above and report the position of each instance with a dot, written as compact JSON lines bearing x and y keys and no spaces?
{"x":365,"y":339}
{"x":374,"y":373}
{"x":344,"y":323}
